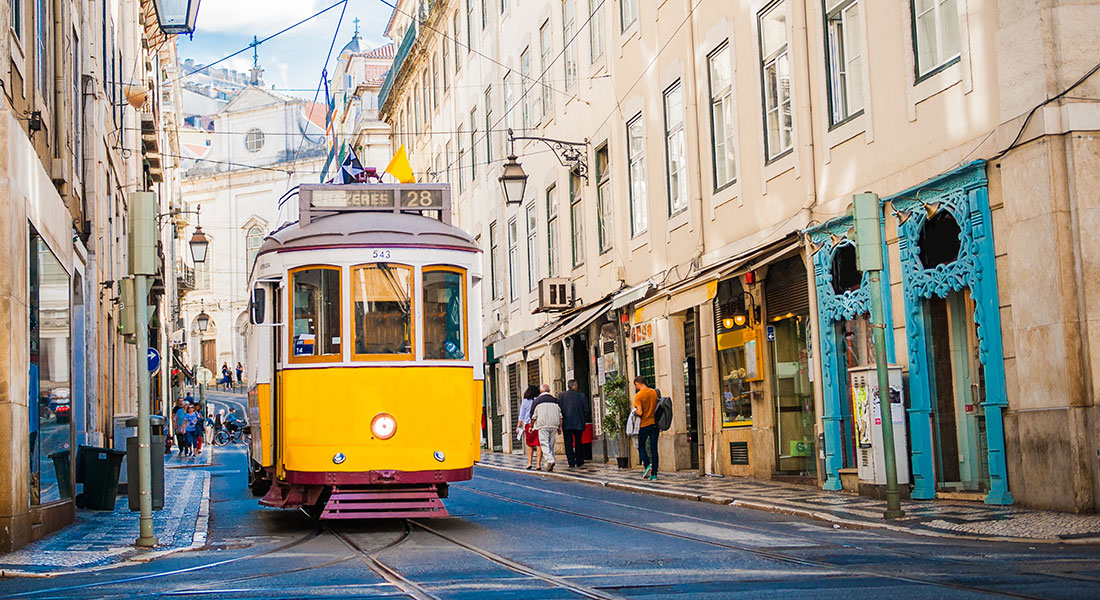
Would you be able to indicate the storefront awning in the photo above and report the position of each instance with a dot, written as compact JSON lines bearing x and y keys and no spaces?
{"x":630,"y":296}
{"x":572,"y":323}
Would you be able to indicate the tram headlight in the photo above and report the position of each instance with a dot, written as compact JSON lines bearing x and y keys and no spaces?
{"x":338,"y":458}
{"x":383,"y":426}
{"x":439,"y":456}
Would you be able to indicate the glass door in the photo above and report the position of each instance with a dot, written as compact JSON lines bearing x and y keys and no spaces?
{"x":794,"y":399}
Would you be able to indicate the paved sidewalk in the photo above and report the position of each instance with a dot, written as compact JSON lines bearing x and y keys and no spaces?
{"x":938,"y":518}
{"x":100,"y":539}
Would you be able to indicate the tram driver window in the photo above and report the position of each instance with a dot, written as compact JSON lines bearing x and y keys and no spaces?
{"x":316,"y":305}
{"x":444,"y":315}
{"x":383,"y":311}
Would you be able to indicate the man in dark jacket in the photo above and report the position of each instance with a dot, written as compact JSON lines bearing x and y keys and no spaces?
{"x":574,"y":418}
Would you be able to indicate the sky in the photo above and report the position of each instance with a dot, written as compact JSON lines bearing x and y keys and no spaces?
{"x":293,"y":61}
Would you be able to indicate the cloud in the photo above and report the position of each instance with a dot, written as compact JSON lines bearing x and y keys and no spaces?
{"x":260,"y":16}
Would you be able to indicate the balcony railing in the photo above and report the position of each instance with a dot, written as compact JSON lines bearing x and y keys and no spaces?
{"x":185,"y":278}
{"x":399,"y":57}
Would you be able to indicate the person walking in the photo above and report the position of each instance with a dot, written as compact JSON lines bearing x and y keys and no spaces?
{"x":645,"y":405}
{"x":575,"y":411}
{"x":190,"y":421}
{"x":240,"y":374}
{"x":200,"y":429}
{"x":189,"y":398}
{"x":179,"y":425}
{"x":524,"y":431}
{"x":546,"y":418}
{"x":218,"y":420}
{"x":227,"y":377}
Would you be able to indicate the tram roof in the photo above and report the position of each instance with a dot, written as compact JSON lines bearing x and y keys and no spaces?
{"x":369,"y":229}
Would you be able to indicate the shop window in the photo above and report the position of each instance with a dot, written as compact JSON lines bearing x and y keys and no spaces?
{"x":846,"y":277}
{"x":315,"y":305}
{"x":644,"y":365}
{"x":738,"y":352}
{"x":383,"y":301}
{"x":444,"y":313}
{"x":939,"y":240}
{"x":50,"y":398}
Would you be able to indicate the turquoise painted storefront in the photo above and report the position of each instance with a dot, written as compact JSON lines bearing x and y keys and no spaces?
{"x":962,"y":194}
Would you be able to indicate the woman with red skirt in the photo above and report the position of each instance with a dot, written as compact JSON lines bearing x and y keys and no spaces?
{"x":524,"y":431}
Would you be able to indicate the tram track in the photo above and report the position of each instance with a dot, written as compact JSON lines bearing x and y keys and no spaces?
{"x":770,"y":554}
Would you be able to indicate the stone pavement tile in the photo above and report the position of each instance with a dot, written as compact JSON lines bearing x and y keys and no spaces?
{"x":100,"y":538}
{"x":940,"y":517}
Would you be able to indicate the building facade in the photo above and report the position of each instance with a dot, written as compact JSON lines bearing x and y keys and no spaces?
{"x":705,"y":240}
{"x":87,"y":95}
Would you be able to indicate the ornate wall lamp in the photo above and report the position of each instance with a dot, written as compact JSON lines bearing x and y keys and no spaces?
{"x":513,"y":181}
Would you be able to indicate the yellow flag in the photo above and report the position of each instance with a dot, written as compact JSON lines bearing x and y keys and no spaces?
{"x":399,"y":167}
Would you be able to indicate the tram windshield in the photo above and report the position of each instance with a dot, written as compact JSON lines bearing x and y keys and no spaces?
{"x":444,"y":315}
{"x":382,"y":295}
{"x":316,"y":305}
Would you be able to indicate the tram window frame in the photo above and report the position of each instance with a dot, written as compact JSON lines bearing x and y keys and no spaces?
{"x":316,"y":358}
{"x":413,"y":300}
{"x":464,"y":286}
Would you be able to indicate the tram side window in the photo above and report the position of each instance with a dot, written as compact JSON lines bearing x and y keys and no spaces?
{"x":316,"y":312}
{"x":383,"y":310}
{"x":444,"y":315}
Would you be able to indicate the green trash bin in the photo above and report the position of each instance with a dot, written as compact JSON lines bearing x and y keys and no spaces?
{"x":156,"y":440}
{"x":99,"y":468}
{"x":62,"y":465}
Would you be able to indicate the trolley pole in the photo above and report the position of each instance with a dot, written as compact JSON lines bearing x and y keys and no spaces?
{"x":869,"y":259}
{"x":142,"y":264}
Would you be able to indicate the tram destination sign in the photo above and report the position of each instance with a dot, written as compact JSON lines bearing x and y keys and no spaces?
{"x":318,"y":199}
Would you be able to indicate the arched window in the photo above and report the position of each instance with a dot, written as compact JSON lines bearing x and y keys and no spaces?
{"x":254,"y":140}
{"x":252,"y":242}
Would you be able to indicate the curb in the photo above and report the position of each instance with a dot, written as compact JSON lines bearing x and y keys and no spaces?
{"x":798,"y":512}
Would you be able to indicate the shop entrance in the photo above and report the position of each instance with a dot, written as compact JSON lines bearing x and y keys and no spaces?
{"x":581,"y":373}
{"x":210,"y":356}
{"x":958,"y":391}
{"x":494,"y":412}
{"x":691,"y":388}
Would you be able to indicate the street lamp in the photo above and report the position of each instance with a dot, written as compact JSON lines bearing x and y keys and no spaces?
{"x":203,"y":320}
{"x":199,"y":244}
{"x":177,"y":16}
{"x":513,"y":181}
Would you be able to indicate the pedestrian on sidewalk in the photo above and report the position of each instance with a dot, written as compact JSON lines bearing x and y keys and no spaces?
{"x":218,"y":420}
{"x":200,"y":429}
{"x":645,"y":405}
{"x":189,"y":398}
{"x":240,"y":374}
{"x":524,"y":432}
{"x":179,"y":425}
{"x":190,"y":421}
{"x":227,"y":377}
{"x":575,"y":411}
{"x":546,"y":418}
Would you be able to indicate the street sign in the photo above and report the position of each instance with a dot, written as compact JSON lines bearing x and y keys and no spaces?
{"x":153,"y":358}
{"x":770,"y":331}
{"x":203,"y":375}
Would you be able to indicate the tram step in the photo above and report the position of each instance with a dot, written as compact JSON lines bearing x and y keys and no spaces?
{"x":383,"y":502}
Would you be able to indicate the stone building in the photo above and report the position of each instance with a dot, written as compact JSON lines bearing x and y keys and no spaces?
{"x":88,"y":93}
{"x":703,"y":231}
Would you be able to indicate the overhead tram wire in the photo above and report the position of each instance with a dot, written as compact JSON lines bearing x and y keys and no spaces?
{"x":257,"y":43}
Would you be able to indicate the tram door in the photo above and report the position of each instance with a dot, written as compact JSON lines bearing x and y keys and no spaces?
{"x":958,"y":384}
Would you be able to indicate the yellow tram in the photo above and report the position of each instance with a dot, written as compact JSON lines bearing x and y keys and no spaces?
{"x":364,"y":354}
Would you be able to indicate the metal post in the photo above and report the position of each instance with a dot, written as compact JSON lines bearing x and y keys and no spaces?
{"x":869,"y":256}
{"x":202,"y":400}
{"x":145,"y":463}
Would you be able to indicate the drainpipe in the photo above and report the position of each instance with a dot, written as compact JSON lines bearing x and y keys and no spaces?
{"x":58,"y":80}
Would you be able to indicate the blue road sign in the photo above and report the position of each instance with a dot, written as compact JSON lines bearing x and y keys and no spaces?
{"x":154,"y":360}
{"x":770,"y":331}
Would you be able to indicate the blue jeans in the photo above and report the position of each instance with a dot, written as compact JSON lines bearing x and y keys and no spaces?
{"x":648,"y":436}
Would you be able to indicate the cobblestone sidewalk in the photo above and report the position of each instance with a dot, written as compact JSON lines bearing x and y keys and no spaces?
{"x":101,"y":538}
{"x":940,"y":517}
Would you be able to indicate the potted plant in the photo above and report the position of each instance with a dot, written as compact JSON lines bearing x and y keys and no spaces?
{"x":618,"y":409}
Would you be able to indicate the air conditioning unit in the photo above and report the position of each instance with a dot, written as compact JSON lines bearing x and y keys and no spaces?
{"x":555,"y":293}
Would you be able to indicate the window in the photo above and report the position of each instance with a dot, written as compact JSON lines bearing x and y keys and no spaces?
{"x":447,"y":158}
{"x":484,"y":16}
{"x":513,"y":260}
{"x":461,"y":161}
{"x":530,"y":105}
{"x":444,"y":313}
{"x":43,"y":37}
{"x":252,"y":242}
{"x":628,"y":13}
{"x":17,"y":18}
{"x":382,"y":296}
{"x":509,"y":113}
{"x":437,"y":168}
{"x":416,"y":110}
{"x":254,"y":140}
{"x":635,"y":148}
{"x":493,"y":271}
{"x":532,"y":246}
{"x":569,"y":50}
{"x":552,"y":231}
{"x":315,"y":305}
{"x":723,"y":119}
{"x":595,"y":29}
{"x":604,"y":221}
{"x":473,"y":144}
{"x":935,"y":34}
{"x":455,"y":37}
{"x":426,"y":86}
{"x":775,"y":70}
{"x":435,"y":81}
{"x":446,"y":70}
{"x":844,"y":59}
{"x":469,"y":25}
{"x":576,"y":220}
{"x":488,"y":125}
{"x":675,"y":151}
{"x":545,"y":47}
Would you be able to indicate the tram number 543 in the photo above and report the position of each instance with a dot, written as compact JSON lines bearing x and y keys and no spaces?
{"x":380,"y":255}
{"x":422,"y":199}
